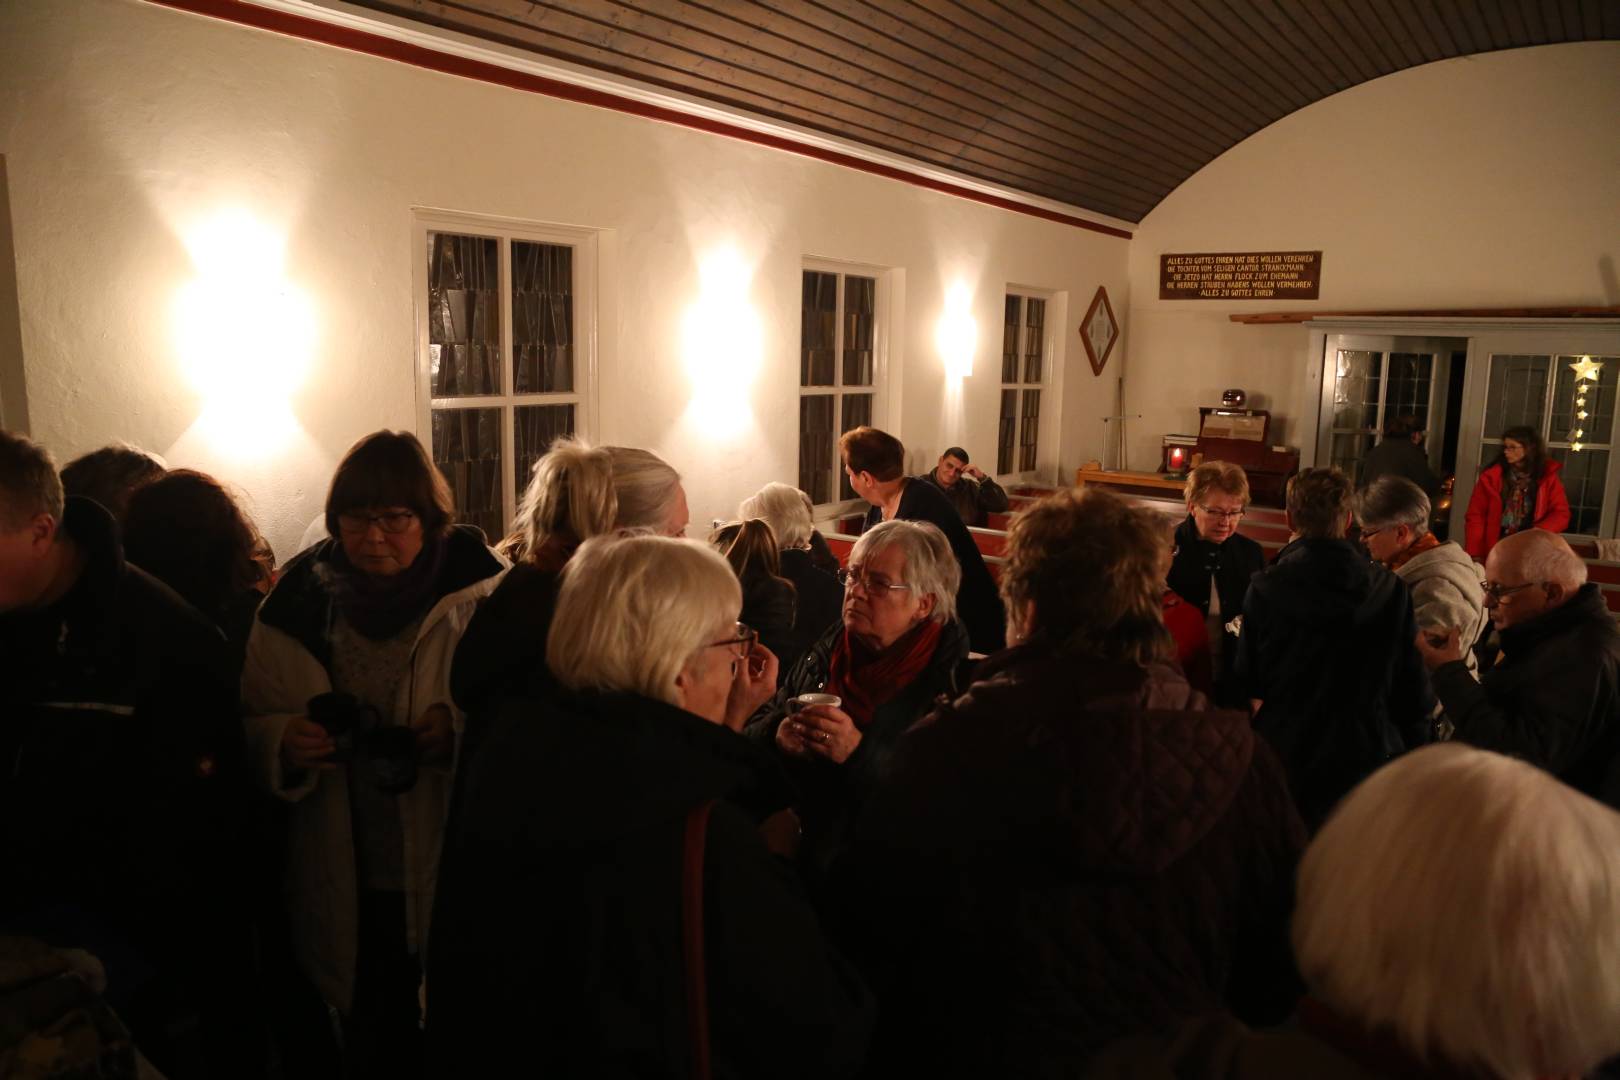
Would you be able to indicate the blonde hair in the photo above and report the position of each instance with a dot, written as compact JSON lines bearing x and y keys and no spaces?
{"x":646,"y":487}
{"x":931,"y":566}
{"x":1470,"y":903}
{"x":786,"y":509}
{"x":570,"y":495}
{"x":1222,"y":476}
{"x":633,"y":611}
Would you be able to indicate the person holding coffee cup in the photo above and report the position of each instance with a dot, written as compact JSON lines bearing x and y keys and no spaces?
{"x":348,"y":719}
{"x":843,"y":707}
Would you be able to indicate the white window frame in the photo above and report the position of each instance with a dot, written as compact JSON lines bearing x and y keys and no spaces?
{"x":879,"y":389}
{"x":585,"y":293}
{"x":1046,"y":385}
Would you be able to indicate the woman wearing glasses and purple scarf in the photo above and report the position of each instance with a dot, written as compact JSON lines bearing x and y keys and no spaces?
{"x":349,"y":720}
{"x":1212,"y":564}
{"x":896,"y":649}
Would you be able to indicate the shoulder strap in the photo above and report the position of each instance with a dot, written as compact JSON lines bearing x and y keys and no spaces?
{"x":697,"y":987}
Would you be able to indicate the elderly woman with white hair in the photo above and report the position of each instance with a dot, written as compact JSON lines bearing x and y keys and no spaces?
{"x":1448,"y":587}
{"x":817,"y":595}
{"x":631,"y":919}
{"x":879,"y":669}
{"x":1457,"y":916}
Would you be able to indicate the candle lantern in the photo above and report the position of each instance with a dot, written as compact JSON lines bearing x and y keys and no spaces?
{"x":1176,"y":455}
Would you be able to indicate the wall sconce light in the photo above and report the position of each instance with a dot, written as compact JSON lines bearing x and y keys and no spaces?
{"x":956,"y":335}
{"x":723,"y":344}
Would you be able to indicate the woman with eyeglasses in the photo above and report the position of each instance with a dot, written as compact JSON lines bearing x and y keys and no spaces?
{"x":1519,"y":490}
{"x":346,"y":692}
{"x":897,"y":648}
{"x":1211,"y":563}
{"x":578,"y":837}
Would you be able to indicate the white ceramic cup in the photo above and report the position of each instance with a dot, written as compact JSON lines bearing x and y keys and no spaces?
{"x":804,"y":701}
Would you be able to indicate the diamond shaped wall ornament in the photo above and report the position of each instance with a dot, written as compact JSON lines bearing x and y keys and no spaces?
{"x":1099,"y":330}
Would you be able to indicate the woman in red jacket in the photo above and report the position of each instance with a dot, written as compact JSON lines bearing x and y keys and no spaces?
{"x":1517,"y":491}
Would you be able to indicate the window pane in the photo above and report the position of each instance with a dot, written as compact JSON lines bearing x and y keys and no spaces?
{"x":1585,"y":476}
{"x":467,"y":449}
{"x":1347,"y":453}
{"x":1411,"y":377}
{"x":1029,"y":430}
{"x":1597,"y":425}
{"x":535,"y":428}
{"x":1009,"y":342}
{"x":818,"y":329}
{"x":542,"y":317}
{"x":1356,"y":384}
{"x":860,"y":306}
{"x":464,"y":315}
{"x":816,"y":447}
{"x":1517,"y":393}
{"x":1035,"y":340}
{"x":1007,"y":430}
{"x":857,"y":411}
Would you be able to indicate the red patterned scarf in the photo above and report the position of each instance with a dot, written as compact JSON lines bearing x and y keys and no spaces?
{"x":866,"y":678}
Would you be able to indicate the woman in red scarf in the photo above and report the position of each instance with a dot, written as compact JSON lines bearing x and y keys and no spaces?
{"x":896,"y":649}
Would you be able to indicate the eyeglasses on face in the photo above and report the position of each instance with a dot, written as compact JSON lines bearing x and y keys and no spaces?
{"x":391,"y":521}
{"x":1219,"y":514}
{"x":850,"y":577}
{"x":1495,"y":590}
{"x":742,"y":641}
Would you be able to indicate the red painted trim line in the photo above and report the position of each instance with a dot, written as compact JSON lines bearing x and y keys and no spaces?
{"x":343,"y":37}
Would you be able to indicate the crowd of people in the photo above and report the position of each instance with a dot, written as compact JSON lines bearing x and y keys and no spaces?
{"x":596,"y":799}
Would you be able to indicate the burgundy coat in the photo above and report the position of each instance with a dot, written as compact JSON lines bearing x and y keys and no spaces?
{"x":1073,"y":851}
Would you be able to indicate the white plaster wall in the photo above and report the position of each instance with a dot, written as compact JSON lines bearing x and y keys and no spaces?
{"x":1486,"y":181}
{"x":124,"y":124}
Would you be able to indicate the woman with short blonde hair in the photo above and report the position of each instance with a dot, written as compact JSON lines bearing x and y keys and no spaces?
{"x":1212,"y":564}
{"x":595,"y":831}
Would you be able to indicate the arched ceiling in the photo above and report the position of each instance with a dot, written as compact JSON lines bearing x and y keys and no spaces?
{"x":1106,"y":105}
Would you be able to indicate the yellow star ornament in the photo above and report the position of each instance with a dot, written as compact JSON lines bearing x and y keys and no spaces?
{"x":1586,"y":368}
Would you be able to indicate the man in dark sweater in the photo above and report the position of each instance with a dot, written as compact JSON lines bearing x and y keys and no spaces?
{"x":973,"y":492}
{"x":1553,"y":697}
{"x":1325,"y":652}
{"x":1401,"y":454}
{"x":119,"y":752}
{"x":875,"y":462}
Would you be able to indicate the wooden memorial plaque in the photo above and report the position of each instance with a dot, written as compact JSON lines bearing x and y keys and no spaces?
{"x":1252,"y":275}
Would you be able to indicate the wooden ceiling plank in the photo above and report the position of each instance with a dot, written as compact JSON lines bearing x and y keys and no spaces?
{"x":1458,"y":25}
{"x":902,"y":60}
{"x":1592,"y":18}
{"x":1070,"y":113}
{"x":1288,"y":29}
{"x":1265,"y":89}
{"x":1259,"y":67}
{"x":1242,"y":14}
{"x":1349,"y":54}
{"x":1533,"y":16}
{"x":1120,"y":55}
{"x":1513,"y":18}
{"x":1365,"y":28}
{"x":1010,"y":51}
{"x":1387,"y":24}
{"x":1193,"y":63}
{"x":1446,"y":44}
{"x":1417,"y":32}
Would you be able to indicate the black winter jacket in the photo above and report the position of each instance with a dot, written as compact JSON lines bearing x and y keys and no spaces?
{"x":1074,"y":850}
{"x":1552,"y":699}
{"x":818,"y":602}
{"x":1327,"y":646}
{"x":978,"y":604}
{"x":828,"y":797}
{"x":556,"y":939}
{"x":1232,"y":564}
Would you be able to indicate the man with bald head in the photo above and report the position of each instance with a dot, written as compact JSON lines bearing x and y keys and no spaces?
{"x":1553,"y":697}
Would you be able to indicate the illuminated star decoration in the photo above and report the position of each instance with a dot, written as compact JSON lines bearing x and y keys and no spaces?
{"x":1586,"y":370}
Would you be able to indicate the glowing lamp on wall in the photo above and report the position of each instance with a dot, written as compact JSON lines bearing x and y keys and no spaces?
{"x":956,"y":335}
{"x":723,"y":344}
{"x":244,"y":334}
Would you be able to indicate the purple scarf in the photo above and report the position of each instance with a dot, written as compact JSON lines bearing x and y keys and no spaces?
{"x":380,"y":607}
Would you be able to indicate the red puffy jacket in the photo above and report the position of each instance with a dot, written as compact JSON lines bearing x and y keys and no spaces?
{"x":1485,"y":507}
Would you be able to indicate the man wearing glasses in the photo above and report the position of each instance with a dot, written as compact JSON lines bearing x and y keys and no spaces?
{"x":1553,"y":697}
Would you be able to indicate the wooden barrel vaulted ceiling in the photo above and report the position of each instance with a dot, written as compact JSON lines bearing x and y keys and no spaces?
{"x":1106,"y":105}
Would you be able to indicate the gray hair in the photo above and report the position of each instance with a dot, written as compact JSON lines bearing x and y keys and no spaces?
{"x":570,"y":494}
{"x":1504,"y":951}
{"x":931,"y":566}
{"x":1547,"y":557}
{"x":784,"y":508}
{"x":646,"y":487}
{"x":1390,"y":501}
{"x":633,"y":611}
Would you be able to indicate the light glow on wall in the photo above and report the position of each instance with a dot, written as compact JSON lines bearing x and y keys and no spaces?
{"x":956,"y":335}
{"x":244,"y":334}
{"x":722,"y":343}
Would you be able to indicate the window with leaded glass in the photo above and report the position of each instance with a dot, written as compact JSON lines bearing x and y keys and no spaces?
{"x":838,"y":372}
{"x":1023,"y":364}
{"x":504,"y":325}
